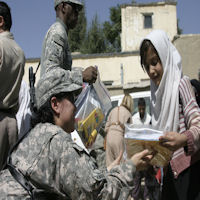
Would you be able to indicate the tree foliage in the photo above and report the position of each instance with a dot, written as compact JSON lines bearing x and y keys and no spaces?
{"x":95,"y":40}
{"x":77,"y":35}
{"x":112,"y":30}
{"x":99,"y":38}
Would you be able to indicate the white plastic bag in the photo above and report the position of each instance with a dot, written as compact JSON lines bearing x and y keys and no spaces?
{"x":92,"y":105}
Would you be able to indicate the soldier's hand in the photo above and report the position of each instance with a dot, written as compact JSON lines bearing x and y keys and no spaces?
{"x":141,"y":160}
{"x":90,"y":74}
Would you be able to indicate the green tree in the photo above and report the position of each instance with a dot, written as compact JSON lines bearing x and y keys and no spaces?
{"x":95,"y":40}
{"x":112,"y":30}
{"x":77,"y":35}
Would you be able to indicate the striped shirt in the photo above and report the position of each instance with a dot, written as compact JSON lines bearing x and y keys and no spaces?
{"x":189,"y":124}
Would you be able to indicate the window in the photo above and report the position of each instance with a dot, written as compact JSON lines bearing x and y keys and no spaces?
{"x":148,"y":20}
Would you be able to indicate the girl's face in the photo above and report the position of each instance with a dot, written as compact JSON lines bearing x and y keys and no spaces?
{"x":153,"y":66}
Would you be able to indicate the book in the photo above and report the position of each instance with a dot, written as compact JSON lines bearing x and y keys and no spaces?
{"x":87,"y":127}
{"x":138,"y":139}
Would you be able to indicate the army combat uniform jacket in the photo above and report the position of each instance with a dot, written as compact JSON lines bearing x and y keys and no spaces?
{"x":53,"y":163}
{"x":55,"y":50}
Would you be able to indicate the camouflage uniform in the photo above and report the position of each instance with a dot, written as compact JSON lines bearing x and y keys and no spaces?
{"x":98,"y":151}
{"x":55,"y":51}
{"x":55,"y":164}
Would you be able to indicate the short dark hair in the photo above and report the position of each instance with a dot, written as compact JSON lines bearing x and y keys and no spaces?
{"x":6,"y":14}
{"x":46,"y":113}
{"x":43,"y":115}
{"x":141,"y":102}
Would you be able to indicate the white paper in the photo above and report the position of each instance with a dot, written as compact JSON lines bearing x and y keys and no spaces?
{"x":142,"y":133}
{"x":76,"y":138}
{"x":138,"y":139}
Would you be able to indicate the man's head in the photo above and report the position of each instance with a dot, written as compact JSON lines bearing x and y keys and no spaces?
{"x":67,"y":11}
{"x":141,"y":107}
{"x":5,"y":17}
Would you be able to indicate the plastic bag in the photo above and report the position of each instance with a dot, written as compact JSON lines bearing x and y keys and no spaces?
{"x":92,"y":105}
{"x":138,"y":139}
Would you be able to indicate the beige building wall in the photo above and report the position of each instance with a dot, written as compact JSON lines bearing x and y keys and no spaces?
{"x":164,"y":17}
{"x":109,"y":66}
{"x":133,"y":77}
{"x":189,"y":49}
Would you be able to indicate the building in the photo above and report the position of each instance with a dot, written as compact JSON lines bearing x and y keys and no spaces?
{"x":140,"y":19}
{"x":188,"y":46}
{"x":122,"y":71}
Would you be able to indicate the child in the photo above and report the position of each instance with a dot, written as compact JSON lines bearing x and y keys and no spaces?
{"x":175,"y":111}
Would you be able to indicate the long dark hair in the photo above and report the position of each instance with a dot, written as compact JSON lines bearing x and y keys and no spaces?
{"x":145,"y":46}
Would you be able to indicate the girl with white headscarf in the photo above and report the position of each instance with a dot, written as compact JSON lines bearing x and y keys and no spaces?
{"x":175,"y":111}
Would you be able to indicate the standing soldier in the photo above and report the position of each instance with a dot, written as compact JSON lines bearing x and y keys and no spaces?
{"x":55,"y":52}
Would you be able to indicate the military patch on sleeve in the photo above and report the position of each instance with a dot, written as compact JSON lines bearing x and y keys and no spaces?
{"x":59,"y":40}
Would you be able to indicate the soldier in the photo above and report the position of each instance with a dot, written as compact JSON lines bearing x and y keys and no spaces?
{"x":55,"y":167}
{"x":56,"y":52}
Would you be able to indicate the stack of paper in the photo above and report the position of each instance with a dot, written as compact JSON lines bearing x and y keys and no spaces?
{"x":138,"y":139}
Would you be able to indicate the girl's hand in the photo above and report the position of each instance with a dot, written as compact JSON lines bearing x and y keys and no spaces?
{"x":173,"y":140}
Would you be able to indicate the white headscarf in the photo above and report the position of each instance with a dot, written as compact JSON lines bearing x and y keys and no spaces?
{"x":165,"y":97}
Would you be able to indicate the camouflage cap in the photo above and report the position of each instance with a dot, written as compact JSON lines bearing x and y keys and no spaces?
{"x":56,"y":2}
{"x":54,"y":82}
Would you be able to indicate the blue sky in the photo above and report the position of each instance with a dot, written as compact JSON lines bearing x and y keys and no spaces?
{"x":32,"y":18}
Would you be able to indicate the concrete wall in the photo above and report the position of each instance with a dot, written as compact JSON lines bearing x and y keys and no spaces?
{"x":135,"y":79}
{"x":109,"y":66}
{"x":189,"y":49}
{"x":164,"y":17}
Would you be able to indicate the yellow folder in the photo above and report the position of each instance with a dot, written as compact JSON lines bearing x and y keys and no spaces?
{"x":87,"y":127}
